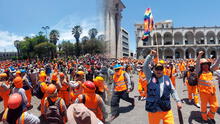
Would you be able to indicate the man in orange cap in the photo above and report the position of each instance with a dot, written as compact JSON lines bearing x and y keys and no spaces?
{"x":206,"y":86}
{"x":18,"y":84}
{"x":16,"y":114}
{"x":54,"y":107}
{"x":64,"y":90}
{"x":142,"y":83}
{"x":4,"y":88}
{"x":92,"y":100}
{"x":80,"y":76}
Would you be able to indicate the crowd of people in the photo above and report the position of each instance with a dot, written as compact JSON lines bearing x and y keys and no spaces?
{"x":77,"y":90}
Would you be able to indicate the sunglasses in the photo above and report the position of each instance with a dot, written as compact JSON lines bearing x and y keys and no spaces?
{"x":159,"y":68}
{"x":117,"y":70}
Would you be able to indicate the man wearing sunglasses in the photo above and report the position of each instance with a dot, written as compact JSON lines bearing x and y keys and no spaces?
{"x":159,"y":89}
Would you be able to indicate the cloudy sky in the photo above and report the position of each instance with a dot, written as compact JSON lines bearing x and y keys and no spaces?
{"x":20,"y":18}
{"x":184,"y":13}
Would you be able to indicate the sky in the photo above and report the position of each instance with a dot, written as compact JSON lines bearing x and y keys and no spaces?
{"x":20,"y":18}
{"x":184,"y":13}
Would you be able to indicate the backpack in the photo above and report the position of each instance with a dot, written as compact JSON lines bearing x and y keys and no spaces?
{"x":53,"y":113}
{"x":37,"y":91}
{"x":192,"y":78}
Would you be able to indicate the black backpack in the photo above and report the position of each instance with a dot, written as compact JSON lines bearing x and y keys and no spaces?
{"x":53,"y":113}
{"x":192,"y":78}
{"x":37,"y":91}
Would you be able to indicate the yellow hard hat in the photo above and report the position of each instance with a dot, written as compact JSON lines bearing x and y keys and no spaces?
{"x":3,"y":75}
{"x":99,"y":78}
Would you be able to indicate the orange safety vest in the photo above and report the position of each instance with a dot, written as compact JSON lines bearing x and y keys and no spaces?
{"x":20,"y":120}
{"x":93,"y":105}
{"x":64,"y":88}
{"x":206,"y":83}
{"x":2,"y":90}
{"x":120,"y":84}
{"x":142,"y":79}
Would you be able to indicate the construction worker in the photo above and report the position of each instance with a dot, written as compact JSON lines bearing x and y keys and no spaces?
{"x":159,"y":89}
{"x":43,"y":88}
{"x":142,"y":83}
{"x":122,"y":86}
{"x":64,"y":91}
{"x":27,"y":87}
{"x":80,"y":76}
{"x":92,"y":100}
{"x":192,"y":85}
{"x":4,"y":88}
{"x":54,"y":80}
{"x":77,"y":89}
{"x":16,"y":114}
{"x":100,"y":86}
{"x":206,"y":86}
{"x":18,"y":88}
{"x":54,"y":107}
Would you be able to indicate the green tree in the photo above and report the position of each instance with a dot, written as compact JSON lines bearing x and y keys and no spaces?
{"x":54,"y":36}
{"x":77,"y":31}
{"x":44,"y":49}
{"x":16,"y":44}
{"x":68,"y":48}
{"x":92,"y":33}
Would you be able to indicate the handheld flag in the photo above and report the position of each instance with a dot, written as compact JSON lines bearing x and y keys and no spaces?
{"x":148,"y":24}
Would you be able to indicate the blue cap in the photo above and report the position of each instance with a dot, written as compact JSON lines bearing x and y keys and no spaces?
{"x":117,"y":66}
{"x":23,"y":71}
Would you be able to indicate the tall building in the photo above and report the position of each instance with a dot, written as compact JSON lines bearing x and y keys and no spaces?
{"x":124,"y":40}
{"x":113,"y":9}
{"x":178,"y":42}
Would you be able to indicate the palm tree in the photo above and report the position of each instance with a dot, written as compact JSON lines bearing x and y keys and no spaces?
{"x":16,"y":44}
{"x":92,"y":33}
{"x":101,"y":37}
{"x":54,"y":36}
{"x":85,"y":38}
{"x":77,"y":31}
{"x":45,"y":28}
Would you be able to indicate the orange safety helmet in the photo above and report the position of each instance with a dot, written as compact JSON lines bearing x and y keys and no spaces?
{"x":54,"y":77}
{"x":18,"y":82}
{"x":2,"y":75}
{"x":89,"y":87}
{"x":80,"y":73}
{"x":62,"y":74}
{"x":14,"y":101}
{"x":51,"y":89}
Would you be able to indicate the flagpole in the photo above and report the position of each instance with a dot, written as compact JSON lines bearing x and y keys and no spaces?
{"x":157,"y":45}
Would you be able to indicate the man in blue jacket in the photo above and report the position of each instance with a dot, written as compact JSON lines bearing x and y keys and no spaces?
{"x":159,"y":89}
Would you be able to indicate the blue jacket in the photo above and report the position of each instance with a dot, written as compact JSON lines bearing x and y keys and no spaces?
{"x":154,"y":101}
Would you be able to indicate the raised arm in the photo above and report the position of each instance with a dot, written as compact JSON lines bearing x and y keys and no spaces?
{"x":198,"y":62}
{"x":215,"y":66}
{"x":146,"y":68}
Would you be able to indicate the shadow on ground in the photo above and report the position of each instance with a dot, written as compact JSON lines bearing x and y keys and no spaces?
{"x":195,"y":116}
{"x":126,"y":109}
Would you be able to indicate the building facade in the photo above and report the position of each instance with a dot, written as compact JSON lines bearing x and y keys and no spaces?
{"x":178,"y":43}
{"x":7,"y":55}
{"x":113,"y":16}
{"x":124,"y":40}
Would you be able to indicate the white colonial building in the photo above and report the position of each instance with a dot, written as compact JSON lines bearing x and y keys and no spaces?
{"x":181,"y":42}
